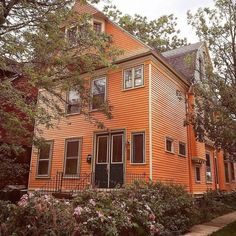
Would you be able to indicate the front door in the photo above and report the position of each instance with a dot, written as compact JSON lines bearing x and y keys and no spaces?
{"x":109,"y":165}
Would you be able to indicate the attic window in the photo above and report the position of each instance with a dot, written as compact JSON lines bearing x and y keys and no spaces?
{"x":71,"y":34}
{"x":97,"y":26}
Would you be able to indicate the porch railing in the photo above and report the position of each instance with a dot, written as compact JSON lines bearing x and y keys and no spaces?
{"x":74,"y":183}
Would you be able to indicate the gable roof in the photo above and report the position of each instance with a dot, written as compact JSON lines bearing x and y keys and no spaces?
{"x":178,"y":58}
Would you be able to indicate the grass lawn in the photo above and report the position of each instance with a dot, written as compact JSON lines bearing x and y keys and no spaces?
{"x":229,"y":230}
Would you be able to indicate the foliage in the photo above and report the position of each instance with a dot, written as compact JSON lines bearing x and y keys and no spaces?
{"x":216,"y":92}
{"x":160,"y":34}
{"x":141,"y":209}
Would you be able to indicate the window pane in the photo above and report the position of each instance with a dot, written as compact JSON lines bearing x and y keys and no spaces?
{"x":72,"y":149}
{"x":43,"y":167}
{"x":138,"y":76}
{"x":97,"y":26}
{"x":71,"y":166}
{"x":71,"y":35}
{"x":98,"y":92}
{"x":128,"y":78}
{"x":198,"y":174}
{"x":182,"y":149}
{"x":226,"y":172}
{"x":73,"y":102}
{"x":44,"y":152}
{"x":169,"y":145}
{"x":208,"y":168}
{"x":102,"y":150}
{"x":138,"y":148}
{"x":117,"y":148}
{"x":232,"y":171}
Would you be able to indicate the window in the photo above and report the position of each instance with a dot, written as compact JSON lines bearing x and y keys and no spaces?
{"x":208,"y":168}
{"x":102,"y":150}
{"x":98,"y":92}
{"x":117,"y":148}
{"x":232,"y":171}
{"x":226,"y":172}
{"x":44,"y":159}
{"x":133,"y":77}
{"x":73,"y":102}
{"x":138,"y":148}
{"x":169,"y":145}
{"x":71,"y":34}
{"x":182,"y":149}
{"x":198,"y":173}
{"x":72,"y":153}
{"x":97,"y":26}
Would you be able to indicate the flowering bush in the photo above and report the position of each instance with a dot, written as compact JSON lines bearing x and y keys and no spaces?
{"x":141,"y":209}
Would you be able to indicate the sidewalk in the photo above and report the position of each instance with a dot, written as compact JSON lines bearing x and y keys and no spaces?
{"x":207,"y":228}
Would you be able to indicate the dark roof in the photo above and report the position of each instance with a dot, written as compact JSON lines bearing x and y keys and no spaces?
{"x":183,"y":59}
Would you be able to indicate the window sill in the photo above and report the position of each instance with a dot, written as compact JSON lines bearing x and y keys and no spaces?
{"x":138,"y":164}
{"x":209,"y":182}
{"x":71,"y":177}
{"x":198,"y":182}
{"x":180,"y":155}
{"x":170,"y":152}
{"x":128,"y":89}
{"x":73,"y":114}
{"x":42,"y":177}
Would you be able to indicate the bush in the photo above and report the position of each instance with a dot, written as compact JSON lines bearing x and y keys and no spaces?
{"x":141,"y":209}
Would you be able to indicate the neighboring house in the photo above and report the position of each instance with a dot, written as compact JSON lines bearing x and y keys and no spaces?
{"x":11,"y":73}
{"x":151,"y":98}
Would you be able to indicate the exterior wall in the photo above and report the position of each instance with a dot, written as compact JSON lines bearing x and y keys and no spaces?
{"x":130,"y":112}
{"x":168,"y":115}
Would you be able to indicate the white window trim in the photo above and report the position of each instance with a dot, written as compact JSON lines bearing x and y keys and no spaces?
{"x":78,"y":158}
{"x":102,"y":136}
{"x":51,"y":143}
{"x":185,"y":149}
{"x":105,"y":97}
{"x":172,"y":146}
{"x":144,"y":148}
{"x":133,"y":80}
{"x":112,"y":162}
{"x":197,"y":166}
{"x":207,"y":181}
{"x":99,"y":21}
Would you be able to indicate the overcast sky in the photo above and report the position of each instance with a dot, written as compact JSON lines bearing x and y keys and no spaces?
{"x":155,"y":8}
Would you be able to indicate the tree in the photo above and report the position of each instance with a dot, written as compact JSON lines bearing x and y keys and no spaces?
{"x":160,"y":34}
{"x":32,"y":39}
{"x":216,"y":100}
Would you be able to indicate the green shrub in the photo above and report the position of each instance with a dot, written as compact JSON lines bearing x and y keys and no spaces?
{"x":140,"y":209}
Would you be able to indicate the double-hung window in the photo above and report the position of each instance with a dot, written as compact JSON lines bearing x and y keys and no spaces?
{"x":170,"y":145}
{"x":71,"y":34}
{"x":198,"y":174}
{"x":73,"y":102}
{"x":72,"y":157}
{"x":97,"y":27}
{"x":208,"y":168}
{"x":182,"y":149}
{"x":98,"y":92}
{"x":232,"y":171}
{"x":44,"y":159}
{"x":226,"y":171}
{"x":133,"y":77}
{"x":138,"y":148}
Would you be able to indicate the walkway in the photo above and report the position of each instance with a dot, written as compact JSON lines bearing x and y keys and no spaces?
{"x":207,"y":228}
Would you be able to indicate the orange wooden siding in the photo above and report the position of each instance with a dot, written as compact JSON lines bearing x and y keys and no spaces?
{"x":168,"y":115}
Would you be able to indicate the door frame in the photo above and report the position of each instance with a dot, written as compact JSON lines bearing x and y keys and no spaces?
{"x":94,"y":143}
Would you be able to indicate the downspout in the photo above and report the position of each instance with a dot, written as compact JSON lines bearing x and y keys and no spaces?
{"x":189,"y":140}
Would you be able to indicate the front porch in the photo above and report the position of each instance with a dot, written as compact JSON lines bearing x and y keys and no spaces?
{"x":72,"y":184}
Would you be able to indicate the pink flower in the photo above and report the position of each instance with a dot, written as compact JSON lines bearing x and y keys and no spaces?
{"x":92,"y":202}
{"x":23,"y":201}
{"x":78,"y":211}
{"x":152,"y":217}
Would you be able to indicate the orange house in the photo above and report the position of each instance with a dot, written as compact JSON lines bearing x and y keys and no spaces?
{"x":151,"y":98}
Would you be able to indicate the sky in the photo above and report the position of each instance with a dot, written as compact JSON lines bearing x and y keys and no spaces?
{"x":156,"y":8}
